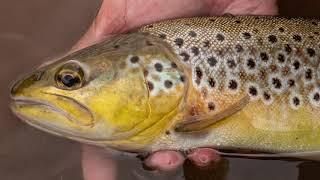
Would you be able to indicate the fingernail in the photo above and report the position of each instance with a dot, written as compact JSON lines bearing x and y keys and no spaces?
{"x":164,"y":160}
{"x":204,"y":156}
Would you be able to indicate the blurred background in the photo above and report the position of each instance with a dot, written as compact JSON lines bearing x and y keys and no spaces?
{"x":35,"y":31}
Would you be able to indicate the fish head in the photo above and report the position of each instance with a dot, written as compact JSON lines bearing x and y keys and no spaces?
{"x":122,"y":94}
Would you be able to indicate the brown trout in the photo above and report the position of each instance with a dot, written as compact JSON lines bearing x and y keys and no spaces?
{"x":238,"y":83}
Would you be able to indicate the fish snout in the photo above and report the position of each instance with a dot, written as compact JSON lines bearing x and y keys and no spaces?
{"x":19,"y":86}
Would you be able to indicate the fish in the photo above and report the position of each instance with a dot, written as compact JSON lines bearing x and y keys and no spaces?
{"x":240,"y":83}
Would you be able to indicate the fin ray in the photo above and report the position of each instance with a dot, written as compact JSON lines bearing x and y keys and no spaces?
{"x":199,"y":122}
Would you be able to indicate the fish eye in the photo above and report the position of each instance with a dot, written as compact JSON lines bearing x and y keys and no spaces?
{"x":70,"y":77}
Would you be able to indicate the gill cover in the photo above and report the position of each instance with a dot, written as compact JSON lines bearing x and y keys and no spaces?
{"x":121,"y":93}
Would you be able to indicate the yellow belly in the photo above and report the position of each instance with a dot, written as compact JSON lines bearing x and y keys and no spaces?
{"x":258,"y":127}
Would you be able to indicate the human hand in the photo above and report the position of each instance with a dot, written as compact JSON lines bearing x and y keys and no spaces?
{"x":118,"y":16}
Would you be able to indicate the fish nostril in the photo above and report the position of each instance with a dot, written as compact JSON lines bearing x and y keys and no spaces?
{"x":17,"y":86}
{"x":37,"y":75}
{"x":13,"y":89}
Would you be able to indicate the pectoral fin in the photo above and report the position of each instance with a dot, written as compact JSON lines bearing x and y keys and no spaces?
{"x":202,"y":121}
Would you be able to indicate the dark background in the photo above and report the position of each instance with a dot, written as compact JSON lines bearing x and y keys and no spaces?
{"x":33,"y":31}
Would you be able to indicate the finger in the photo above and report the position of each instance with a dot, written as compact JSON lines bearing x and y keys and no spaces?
{"x":252,"y":7}
{"x":97,"y":164}
{"x":118,"y":16}
{"x":204,"y":156}
{"x":165,"y":160}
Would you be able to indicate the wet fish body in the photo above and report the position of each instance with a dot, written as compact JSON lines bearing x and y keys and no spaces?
{"x":225,"y":82}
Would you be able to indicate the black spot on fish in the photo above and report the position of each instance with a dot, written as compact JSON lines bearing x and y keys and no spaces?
{"x":199,"y":72}
{"x":239,"y":48}
{"x":211,"y":82}
{"x":246,"y":35}
{"x":308,"y":74}
{"x":182,"y":78}
{"x":281,"y":29}
{"x":220,"y":37}
{"x":134,"y":59}
{"x":148,"y":43}
{"x":158,"y":67}
{"x":311,"y":52}
{"x":195,"y":50}
{"x":291,"y":83}
{"x":264,"y":56}
{"x":296,"y":101}
{"x":251,"y":64}
{"x":211,"y":106}
{"x":116,"y":46}
{"x":163,"y":36}
{"x":238,"y":21}
{"x":150,"y":26}
{"x":272,"y":39}
{"x":316,"y":97}
{"x":297,"y":38}
{"x":277,"y":83}
{"x":206,"y":44}
{"x":192,"y":34}
{"x":233,"y":84}
{"x":267,"y":96}
{"x":212,"y":61}
{"x":178,"y":42}
{"x":174,"y":65}
{"x":287,"y":48}
{"x":253,"y":91}
{"x":150,"y":85}
{"x":231,"y":63}
{"x":316,"y":33}
{"x":314,"y":23}
{"x":281,"y":58}
{"x":296,"y":65}
{"x":168,"y":84}
{"x":185,"y":56}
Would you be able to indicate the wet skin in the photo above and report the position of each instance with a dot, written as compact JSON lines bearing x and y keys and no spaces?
{"x":119,"y":16}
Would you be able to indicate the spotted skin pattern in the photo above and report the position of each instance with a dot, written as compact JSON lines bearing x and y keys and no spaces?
{"x":267,"y":58}
{"x":161,"y":75}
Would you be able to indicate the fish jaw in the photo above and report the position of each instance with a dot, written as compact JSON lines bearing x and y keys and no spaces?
{"x":59,"y":115}
{"x":77,"y":113}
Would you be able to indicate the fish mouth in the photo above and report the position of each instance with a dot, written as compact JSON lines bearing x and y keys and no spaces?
{"x":21,"y":102}
{"x":24,"y":101}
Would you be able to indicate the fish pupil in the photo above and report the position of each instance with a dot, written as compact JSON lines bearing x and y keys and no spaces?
{"x":69,"y":80}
